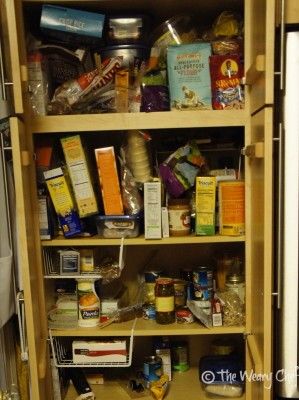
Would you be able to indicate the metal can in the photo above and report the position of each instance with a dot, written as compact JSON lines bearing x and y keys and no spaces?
{"x":152,"y":369}
{"x":187,"y":275}
{"x":203,"y":283}
{"x":149,"y":311}
{"x":180,"y":357}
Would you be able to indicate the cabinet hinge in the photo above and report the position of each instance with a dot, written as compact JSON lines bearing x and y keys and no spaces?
{"x":26,"y":159}
{"x":255,"y":150}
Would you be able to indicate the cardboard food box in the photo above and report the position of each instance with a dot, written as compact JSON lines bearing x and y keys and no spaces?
{"x":63,"y":202}
{"x":80,"y":177}
{"x":71,"y":25}
{"x":231,"y":208}
{"x":109,"y":182}
{"x":205,"y":205}
{"x":152,"y":210}
{"x":99,"y":351}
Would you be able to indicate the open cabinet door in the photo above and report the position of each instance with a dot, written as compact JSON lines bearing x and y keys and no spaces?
{"x":259,"y":253}
{"x":13,"y":56}
{"x":259,"y":56}
{"x":28,"y":247}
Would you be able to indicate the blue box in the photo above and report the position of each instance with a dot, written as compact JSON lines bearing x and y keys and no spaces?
{"x":71,"y":25}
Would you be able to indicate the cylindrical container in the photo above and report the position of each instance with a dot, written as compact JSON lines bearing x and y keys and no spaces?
{"x":179,"y":213}
{"x":149,"y":286}
{"x":180,"y":357}
{"x":88,"y":303}
{"x":224,"y":265}
{"x":179,"y":292}
{"x":152,"y":369}
{"x":231,"y":196}
{"x":236,"y":283}
{"x":203,"y":283}
{"x":86,"y":260}
{"x":164,"y":292}
{"x":149,"y":311}
{"x":187,"y":275}
{"x":222,"y":347}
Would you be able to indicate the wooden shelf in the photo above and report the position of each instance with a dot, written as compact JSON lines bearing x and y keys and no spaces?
{"x":149,"y":328}
{"x":126,"y":121}
{"x":182,"y":384}
{"x":140,"y":241}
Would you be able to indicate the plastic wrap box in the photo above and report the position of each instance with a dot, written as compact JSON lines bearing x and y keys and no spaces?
{"x":99,"y":351}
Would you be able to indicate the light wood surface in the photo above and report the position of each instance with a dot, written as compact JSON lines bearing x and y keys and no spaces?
{"x":184,"y":385}
{"x":140,"y":241}
{"x":149,"y":328}
{"x":125,"y":121}
{"x":291,"y":11}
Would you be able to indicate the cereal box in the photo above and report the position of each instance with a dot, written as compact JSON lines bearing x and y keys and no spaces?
{"x":189,"y":76}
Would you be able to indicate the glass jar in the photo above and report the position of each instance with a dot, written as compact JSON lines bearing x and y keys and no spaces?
{"x":236,"y":283}
{"x":179,"y":213}
{"x":164,"y":300}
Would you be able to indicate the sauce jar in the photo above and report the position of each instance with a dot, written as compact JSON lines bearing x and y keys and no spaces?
{"x":236,"y":283}
{"x":179,"y":213}
{"x":164,"y":293}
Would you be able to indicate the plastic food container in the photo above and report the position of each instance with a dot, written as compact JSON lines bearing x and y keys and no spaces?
{"x":118,"y":226}
{"x":131,"y":54}
{"x":127,"y":29}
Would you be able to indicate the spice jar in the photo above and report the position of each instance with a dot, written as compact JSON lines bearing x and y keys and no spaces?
{"x":164,"y":293}
{"x":235,"y":282}
{"x":179,"y":213}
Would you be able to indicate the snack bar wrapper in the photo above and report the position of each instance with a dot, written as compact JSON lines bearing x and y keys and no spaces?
{"x":179,"y":170}
{"x":86,"y":89}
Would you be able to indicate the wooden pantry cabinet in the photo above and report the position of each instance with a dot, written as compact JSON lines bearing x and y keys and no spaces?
{"x":254,"y":125}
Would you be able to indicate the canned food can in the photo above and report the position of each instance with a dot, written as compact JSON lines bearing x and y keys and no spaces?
{"x":180,"y":357}
{"x":152,"y":369}
{"x":203,"y":283}
{"x":149,"y":311}
{"x":184,"y":315}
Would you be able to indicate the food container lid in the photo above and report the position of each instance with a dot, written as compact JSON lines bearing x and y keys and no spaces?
{"x":235,"y":278}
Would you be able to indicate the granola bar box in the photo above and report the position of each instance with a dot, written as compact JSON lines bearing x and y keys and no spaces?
{"x":189,"y":76}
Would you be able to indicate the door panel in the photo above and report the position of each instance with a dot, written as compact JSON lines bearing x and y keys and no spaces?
{"x":259,"y":248}
{"x":29,"y":256}
{"x":11,"y":31}
{"x":259,"y":52}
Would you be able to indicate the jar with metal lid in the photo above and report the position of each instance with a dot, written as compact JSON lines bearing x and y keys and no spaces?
{"x":236,"y":283}
{"x":164,"y":300}
{"x":179,"y":213}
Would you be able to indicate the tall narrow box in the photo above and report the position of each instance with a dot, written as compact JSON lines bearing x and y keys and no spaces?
{"x":152,"y":210}
{"x":63,"y":202}
{"x":80,"y":177}
{"x":109,"y":182}
{"x":205,"y":205}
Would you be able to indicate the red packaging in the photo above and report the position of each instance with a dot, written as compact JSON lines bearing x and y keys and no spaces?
{"x":226,"y":78}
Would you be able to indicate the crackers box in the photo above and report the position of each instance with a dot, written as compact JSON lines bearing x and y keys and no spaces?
{"x":80,"y":177}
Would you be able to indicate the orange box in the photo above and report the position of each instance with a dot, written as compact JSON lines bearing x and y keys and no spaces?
{"x":232,"y":208}
{"x":109,"y":182}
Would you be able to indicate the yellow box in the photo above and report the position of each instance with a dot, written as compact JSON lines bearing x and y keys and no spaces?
{"x":78,"y":170}
{"x":205,"y":205}
{"x":231,"y":208}
{"x":63,"y":202}
{"x":109,"y":182}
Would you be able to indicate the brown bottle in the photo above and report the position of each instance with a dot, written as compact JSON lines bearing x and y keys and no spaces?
{"x":164,"y":293}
